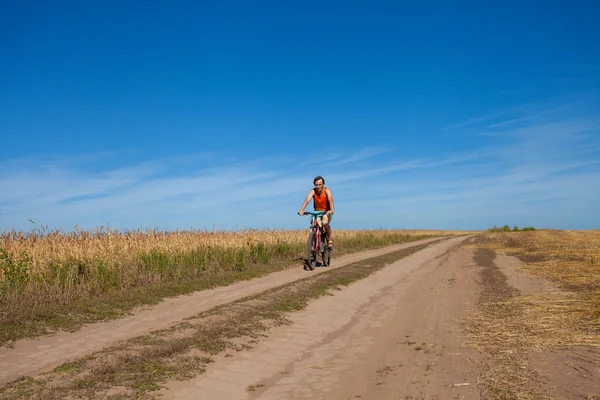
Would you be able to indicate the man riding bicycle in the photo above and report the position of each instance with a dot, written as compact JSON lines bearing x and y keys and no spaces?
{"x":322,"y":201}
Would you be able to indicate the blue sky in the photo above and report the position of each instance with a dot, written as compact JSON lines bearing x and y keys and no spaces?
{"x":218,"y":116}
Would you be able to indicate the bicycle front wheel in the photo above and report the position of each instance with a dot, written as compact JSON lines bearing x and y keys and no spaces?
{"x":311,"y":254}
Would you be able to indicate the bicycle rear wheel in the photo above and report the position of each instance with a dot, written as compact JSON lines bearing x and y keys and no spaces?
{"x":326,"y":255}
{"x":325,"y":251}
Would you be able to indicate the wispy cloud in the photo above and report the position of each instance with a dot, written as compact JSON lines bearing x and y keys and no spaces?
{"x":364,"y":154}
{"x":476,"y":120}
{"x":540,"y":171}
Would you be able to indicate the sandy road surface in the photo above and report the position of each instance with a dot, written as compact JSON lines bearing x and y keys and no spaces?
{"x":392,"y":335}
{"x":30,"y":357}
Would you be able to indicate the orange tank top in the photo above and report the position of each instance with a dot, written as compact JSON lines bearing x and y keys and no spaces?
{"x":321,"y":202}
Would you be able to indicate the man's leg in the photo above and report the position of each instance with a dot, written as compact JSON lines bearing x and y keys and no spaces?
{"x":327,"y":226}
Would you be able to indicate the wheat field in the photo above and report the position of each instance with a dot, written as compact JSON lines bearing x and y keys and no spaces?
{"x":105,"y":256}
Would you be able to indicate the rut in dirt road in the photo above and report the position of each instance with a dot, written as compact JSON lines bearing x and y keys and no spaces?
{"x":34,"y":356}
{"x":392,"y":335}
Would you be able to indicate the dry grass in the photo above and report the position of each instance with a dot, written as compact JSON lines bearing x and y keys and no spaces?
{"x":570,"y":259}
{"x":53,"y":280}
{"x":509,"y":325}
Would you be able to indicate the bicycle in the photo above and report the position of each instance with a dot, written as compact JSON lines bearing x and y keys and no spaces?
{"x":317,"y":242}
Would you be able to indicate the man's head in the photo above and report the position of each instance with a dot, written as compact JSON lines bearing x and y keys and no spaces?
{"x":319,"y":183}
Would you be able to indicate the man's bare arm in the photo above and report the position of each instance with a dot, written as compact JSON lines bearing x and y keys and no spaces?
{"x":306,"y":201}
{"x":330,"y":197}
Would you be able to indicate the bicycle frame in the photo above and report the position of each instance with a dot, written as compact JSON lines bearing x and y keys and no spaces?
{"x":317,"y":229}
{"x":317,"y":245}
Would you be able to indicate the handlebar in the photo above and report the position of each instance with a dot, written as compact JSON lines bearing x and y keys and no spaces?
{"x":315,"y":213}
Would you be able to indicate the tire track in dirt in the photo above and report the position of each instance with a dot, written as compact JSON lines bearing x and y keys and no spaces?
{"x":392,"y":335}
{"x":33,"y":356}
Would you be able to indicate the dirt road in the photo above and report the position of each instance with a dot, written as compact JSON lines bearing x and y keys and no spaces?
{"x":393,"y":335}
{"x":30,"y":357}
